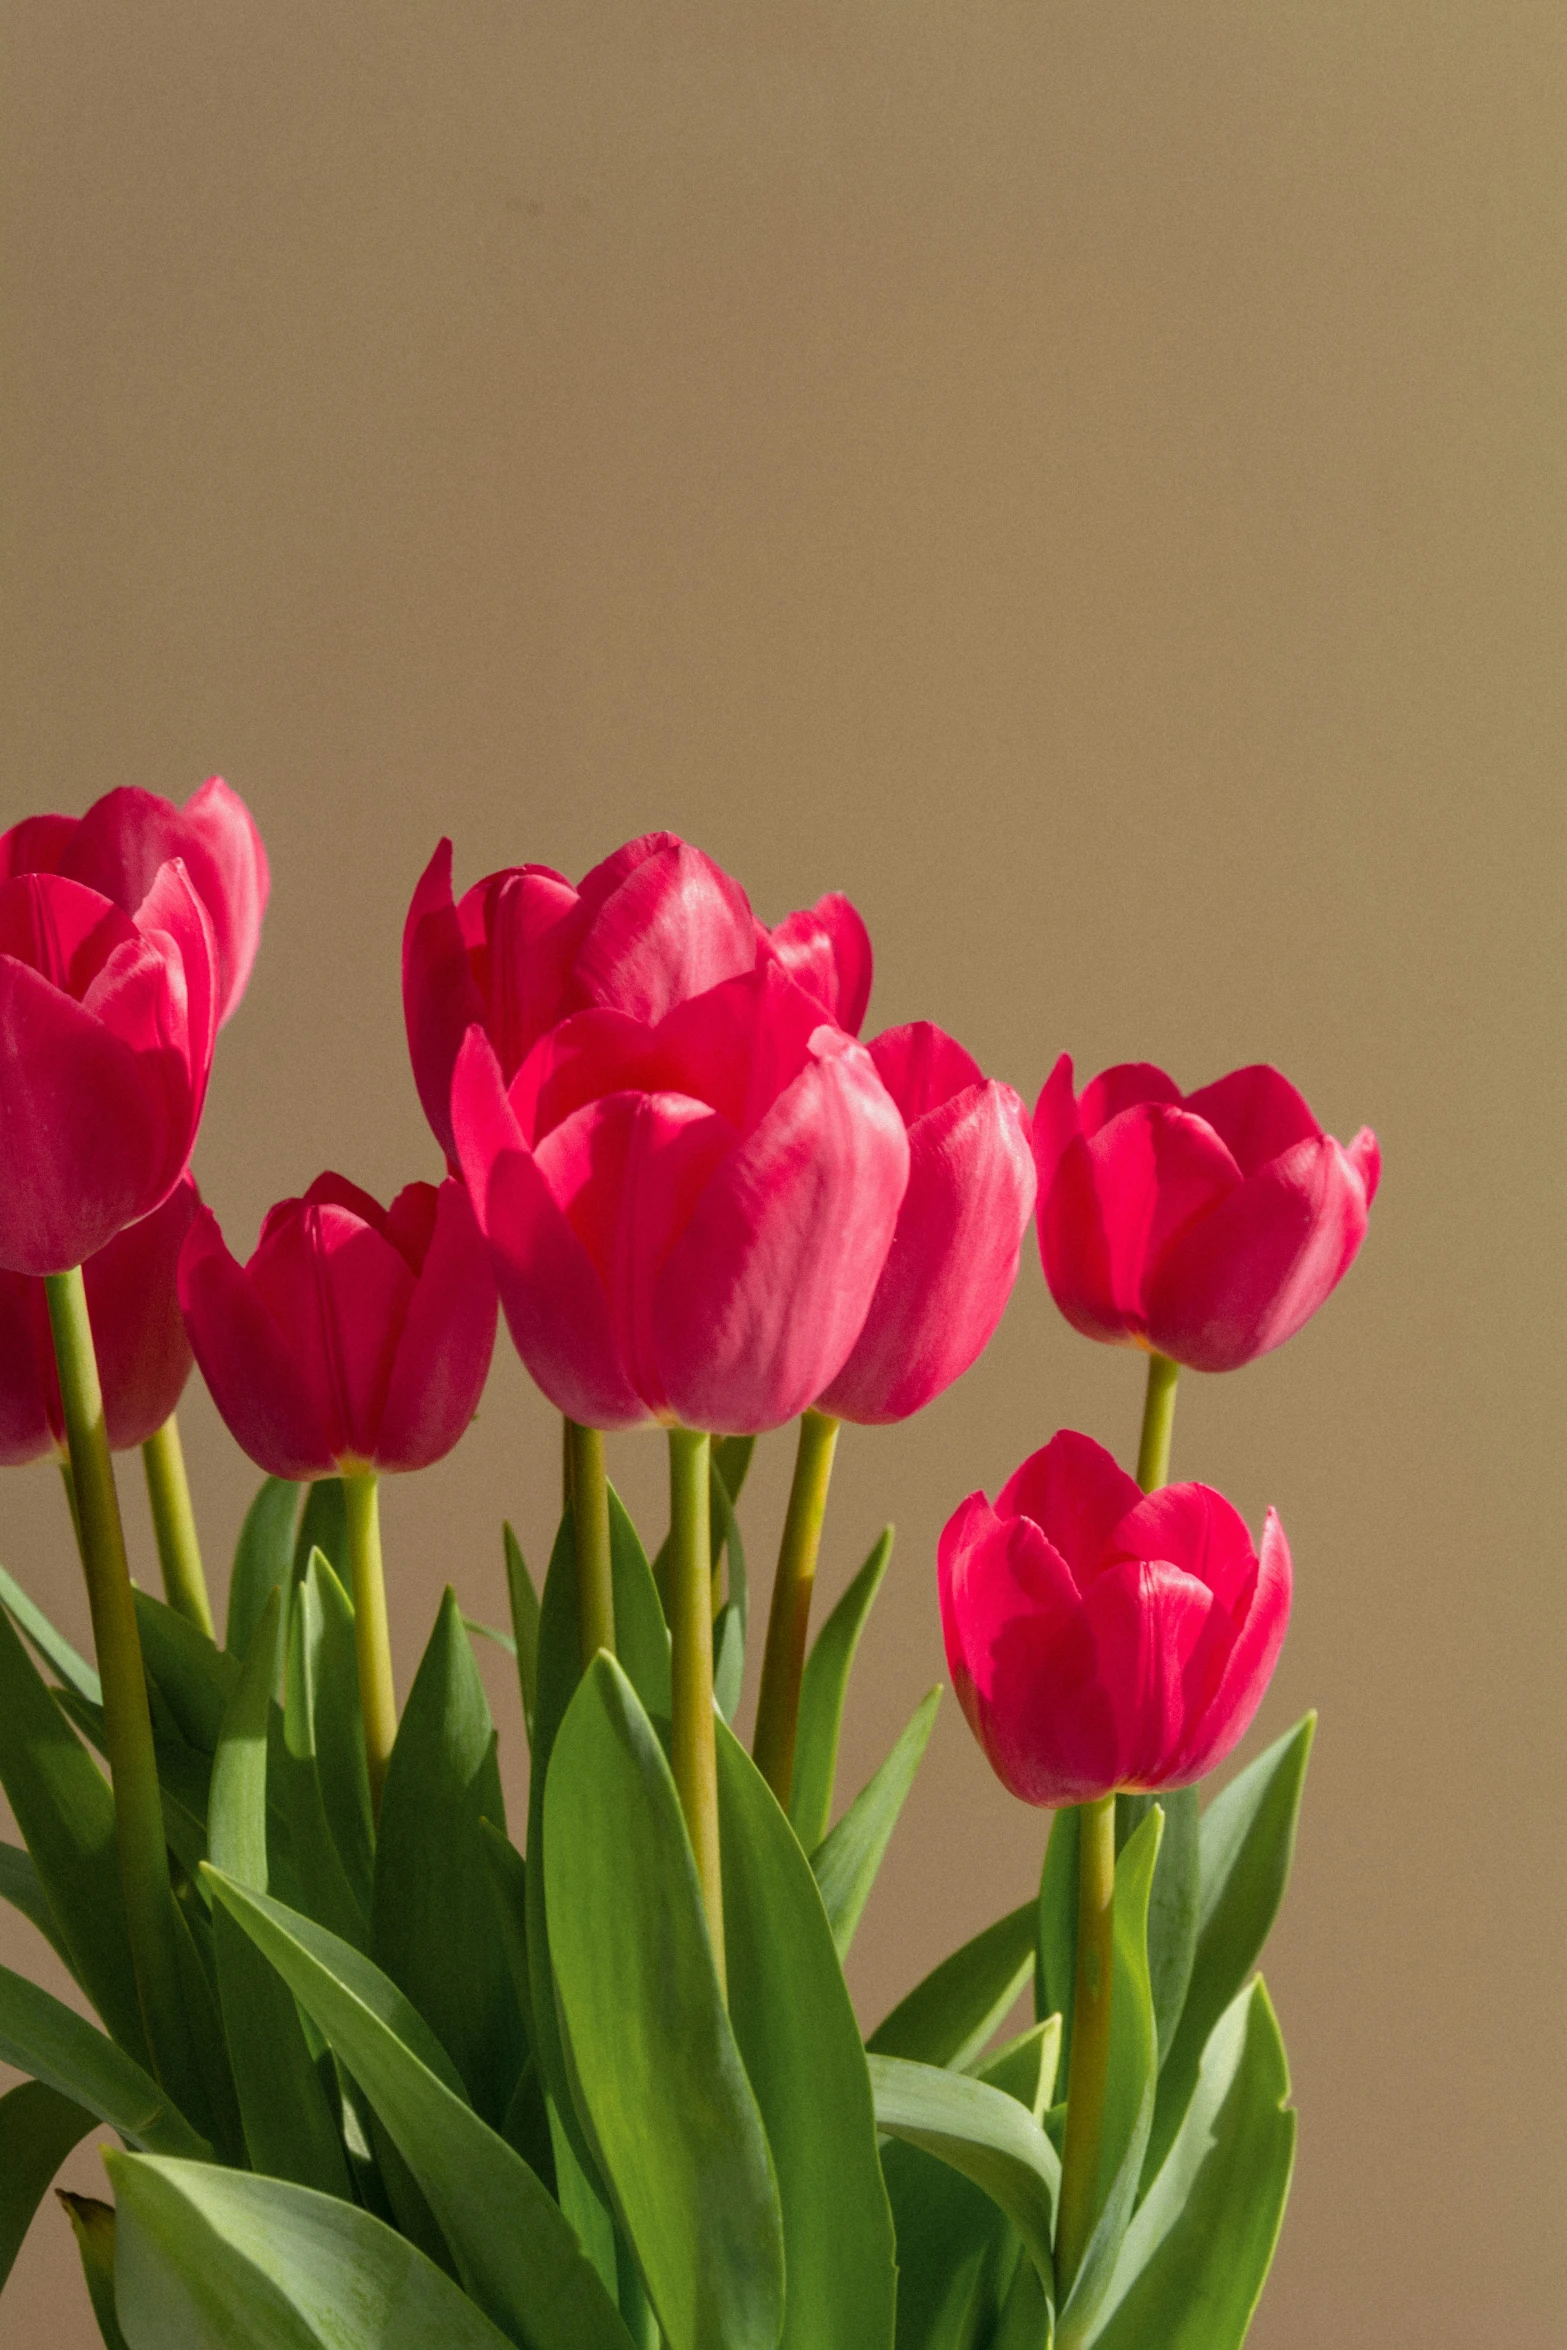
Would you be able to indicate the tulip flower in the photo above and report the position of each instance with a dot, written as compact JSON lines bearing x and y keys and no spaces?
{"x":107,"y":1021}
{"x":143,"y":1353}
{"x":688,"y":1216}
{"x":1102,"y":1639}
{"x":357,"y":1337}
{"x":1207,"y":1226}
{"x":960,"y":1229}
{"x":118,"y":846}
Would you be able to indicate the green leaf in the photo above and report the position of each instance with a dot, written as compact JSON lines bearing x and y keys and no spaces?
{"x":823,"y":1688}
{"x":342,"y":1770}
{"x":1247,"y":1843}
{"x":261,"y":1560}
{"x":1026,"y":2068}
{"x":732,"y":1460}
{"x":728,"y":1660}
{"x":209,"y":2259}
{"x":323,"y":1526}
{"x":52,"y":1646}
{"x":195,"y":1677}
{"x":661,"y":2085}
{"x":524,"y":1624}
{"x":22,"y":1887}
{"x":92,"y":2224}
{"x":960,"y":2006}
{"x":515,"y":2253}
{"x":846,"y":1862}
{"x":641,"y":1634}
{"x":953,"y":2243}
{"x":981,"y":2132}
{"x":1173,"y":1905}
{"x":1055,"y":1965}
{"x":1197,"y":2254}
{"x":1024,"y":2323}
{"x":1130,"y":2086}
{"x":38,"y":2128}
{"x":433,"y":1917}
{"x":65,"y":1811}
{"x":791,"y":2014}
{"x":42,"y":2037}
{"x":314,"y":1864}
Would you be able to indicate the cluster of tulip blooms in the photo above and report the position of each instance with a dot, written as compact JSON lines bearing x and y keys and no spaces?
{"x":381,"y":2075}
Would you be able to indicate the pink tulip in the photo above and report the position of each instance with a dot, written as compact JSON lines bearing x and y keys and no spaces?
{"x":1103,"y":1639}
{"x":827,"y":948}
{"x":118,"y":846}
{"x":688,"y":1216}
{"x":357,"y":1337}
{"x":138,"y":1336}
{"x":1207,"y":1225}
{"x":954,"y":1254}
{"x":107,"y":1022}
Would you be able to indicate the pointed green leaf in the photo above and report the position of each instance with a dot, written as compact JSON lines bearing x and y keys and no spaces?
{"x":262,"y":1560}
{"x":659,"y":2078}
{"x":1027,"y":2067}
{"x":960,"y":2006}
{"x":1173,"y":1905}
{"x":42,"y":2037}
{"x":1024,"y":2322}
{"x":313,"y":1865}
{"x":196,"y":1678}
{"x":823,"y":1687}
{"x":433,"y":1919}
{"x":524,"y":1624}
{"x":790,"y":2010}
{"x":981,"y":2132}
{"x":210,"y":2259}
{"x":327,"y":1634}
{"x":953,"y":2241}
{"x":1055,"y":1965}
{"x":641,"y":1634}
{"x":726,"y":1536}
{"x":22,"y":1887}
{"x":38,"y":2128}
{"x":323,"y":1526}
{"x":1247,"y":1842}
{"x":52,"y":1646}
{"x":1196,"y":2255}
{"x":514,"y":2251}
{"x":846,"y":1863}
{"x":92,"y":2224}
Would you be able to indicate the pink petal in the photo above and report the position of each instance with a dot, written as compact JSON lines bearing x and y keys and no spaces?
{"x":1056,"y":1122}
{"x":738,"y":1046}
{"x":441,"y":999}
{"x":1148,"y":1618}
{"x":333,"y":1190}
{"x":1365,"y":1157}
{"x":667,"y":927}
{"x":1246,"y":1276}
{"x":921,"y":1067}
{"x":583,"y":1056}
{"x":339,"y":1292}
{"x":246,"y":1361}
{"x":523,"y":966}
{"x":139,"y":1336}
{"x":78,"y":1143}
{"x":173,"y":917}
{"x":30,"y":1418}
{"x":953,"y":1259}
{"x":39,"y":844}
{"x":1257,"y":1113}
{"x":1229,"y":1712}
{"x":1077,"y":1494}
{"x":127,"y":835}
{"x":767,"y":1290}
{"x":1116,"y":1201}
{"x":1125,"y":1087}
{"x":1198,"y":1531}
{"x":61,"y":930}
{"x":448,"y":1337}
{"x":410,"y":1222}
{"x":827,"y":948}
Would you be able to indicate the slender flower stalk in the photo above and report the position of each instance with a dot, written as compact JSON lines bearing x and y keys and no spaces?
{"x":588,"y":1492}
{"x":1153,"y":1453}
{"x":133,"y":1768}
{"x":174,"y":1524}
{"x":691,"y":1630}
{"x":1090,"y":2061}
{"x":372,"y":1641}
{"x":783,"y":1662}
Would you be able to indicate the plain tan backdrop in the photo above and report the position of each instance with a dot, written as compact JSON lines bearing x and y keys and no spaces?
{"x":1088,"y":480}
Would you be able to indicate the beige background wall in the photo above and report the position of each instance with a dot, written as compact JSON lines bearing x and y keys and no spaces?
{"x":1089,"y":481}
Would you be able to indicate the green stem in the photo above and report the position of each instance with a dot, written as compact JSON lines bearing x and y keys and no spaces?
{"x":174,"y":1523}
{"x":1089,"y":2067}
{"x":127,"y":1720}
{"x":589,"y":1495}
{"x":783,"y":1662}
{"x":694,"y":1752}
{"x":1153,"y":1454}
{"x":372,"y":1636}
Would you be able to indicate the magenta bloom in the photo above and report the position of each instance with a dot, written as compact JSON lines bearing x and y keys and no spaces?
{"x":138,"y":1335}
{"x":688,"y":1216}
{"x":1206,"y":1225}
{"x":954,"y":1254}
{"x":827,"y":948}
{"x":357,"y":1337}
{"x":1100,"y":1638}
{"x":118,"y":846}
{"x":107,"y":1022}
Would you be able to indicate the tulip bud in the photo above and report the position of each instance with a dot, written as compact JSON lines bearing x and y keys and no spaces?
{"x":357,"y":1337}
{"x":688,"y":1218}
{"x":960,"y":1228}
{"x":118,"y":846}
{"x":1208,"y":1226}
{"x":138,"y":1336}
{"x":107,"y":1022}
{"x":1101,"y":1639}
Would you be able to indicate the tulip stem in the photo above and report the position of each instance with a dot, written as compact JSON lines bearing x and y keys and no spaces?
{"x":127,"y":1720}
{"x":694,"y":1755}
{"x":174,"y":1524}
{"x":1089,"y":2067}
{"x":588,"y":1491}
{"x":1153,"y":1454}
{"x":783,"y":1661}
{"x":372,"y":1637}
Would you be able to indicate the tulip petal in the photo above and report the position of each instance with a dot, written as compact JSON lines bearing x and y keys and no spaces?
{"x":581,"y":1057}
{"x":767,"y":1290}
{"x":1245,"y":1277}
{"x":1365,"y":1157}
{"x":127,"y":835}
{"x":827,"y":948}
{"x":246,"y":1361}
{"x":1205,"y":1534}
{"x":39,"y":844}
{"x":441,"y":999}
{"x":31,"y":1423}
{"x":1125,"y":1087}
{"x":1077,"y":1493}
{"x":1117,"y":1200}
{"x":1228,"y":1714}
{"x":660,"y":926}
{"x":922,"y":1067}
{"x":78,"y":1144}
{"x":1257,"y":1113}
{"x":953,"y":1259}
{"x":1056,"y":1123}
{"x":448,"y":1337}
{"x":139,"y":1336}
{"x":173,"y":915}
{"x":1148,"y":1618}
{"x":737,"y":1046}
{"x":522,"y":963}
{"x":339,"y":1291}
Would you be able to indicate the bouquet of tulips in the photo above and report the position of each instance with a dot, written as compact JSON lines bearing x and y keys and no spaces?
{"x":389,"y":2070}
